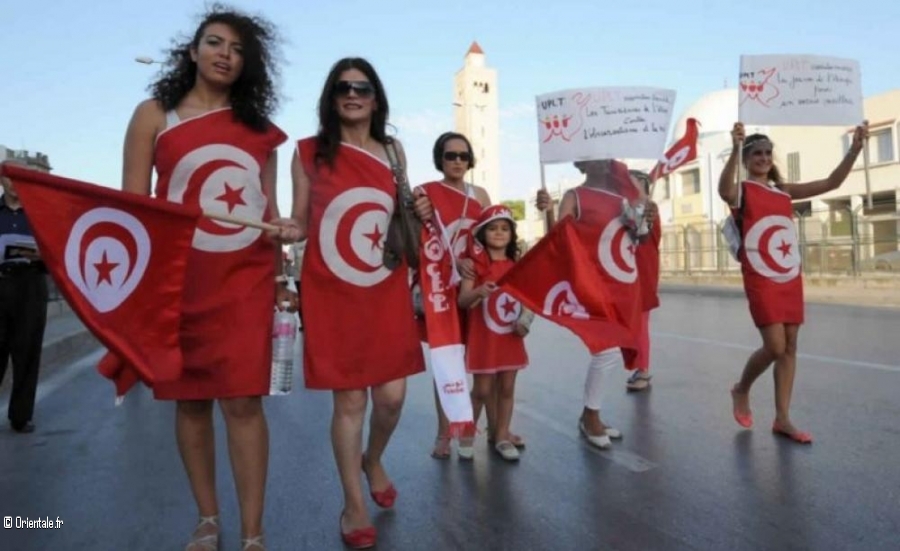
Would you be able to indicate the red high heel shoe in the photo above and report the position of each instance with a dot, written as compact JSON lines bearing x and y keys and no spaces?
{"x":361,"y":538}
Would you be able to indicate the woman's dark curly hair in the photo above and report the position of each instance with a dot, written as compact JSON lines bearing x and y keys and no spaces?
{"x":253,"y":95}
{"x":512,"y":248}
{"x":328,"y":138}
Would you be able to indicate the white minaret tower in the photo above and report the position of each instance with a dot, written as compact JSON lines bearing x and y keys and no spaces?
{"x":478,"y":117}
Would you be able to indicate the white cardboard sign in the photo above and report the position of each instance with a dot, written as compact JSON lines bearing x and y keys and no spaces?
{"x":604,"y":123}
{"x":800,"y":90}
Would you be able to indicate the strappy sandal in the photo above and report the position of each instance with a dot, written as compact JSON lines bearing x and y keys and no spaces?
{"x":256,"y":543}
{"x":208,"y":542}
{"x":441,"y":448}
{"x":638,"y":381}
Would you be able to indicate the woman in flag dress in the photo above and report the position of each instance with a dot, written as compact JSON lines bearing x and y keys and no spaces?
{"x":361,"y":340}
{"x":770,"y":264}
{"x":206,"y":131}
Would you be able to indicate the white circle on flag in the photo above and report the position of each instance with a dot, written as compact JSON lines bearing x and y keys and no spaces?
{"x":772,"y":249}
{"x":462,"y":229}
{"x":351,"y":235}
{"x":106,"y":255}
{"x":230,"y":185}
{"x":616,"y":252}
{"x":677,"y":158}
{"x":561,"y":301}
{"x":500,"y":312}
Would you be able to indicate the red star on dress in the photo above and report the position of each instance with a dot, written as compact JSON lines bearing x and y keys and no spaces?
{"x":785,"y":248}
{"x":232,"y":197}
{"x":375,"y":237}
{"x":509,"y":306}
{"x":104,"y":270}
{"x":632,"y":249}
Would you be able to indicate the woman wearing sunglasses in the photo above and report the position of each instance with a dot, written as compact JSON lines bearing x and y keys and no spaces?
{"x":458,"y":204}
{"x":770,"y":262}
{"x":360,"y":331}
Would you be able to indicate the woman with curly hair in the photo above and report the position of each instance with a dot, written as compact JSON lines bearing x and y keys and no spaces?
{"x":206,"y":131}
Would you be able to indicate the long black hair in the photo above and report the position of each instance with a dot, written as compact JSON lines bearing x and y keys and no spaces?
{"x":253,"y":95}
{"x":754,"y":139}
{"x":512,"y":248}
{"x":328,"y":138}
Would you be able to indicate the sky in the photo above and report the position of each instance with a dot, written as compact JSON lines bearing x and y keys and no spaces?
{"x":70,"y":83}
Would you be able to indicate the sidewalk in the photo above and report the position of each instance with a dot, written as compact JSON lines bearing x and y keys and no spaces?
{"x":875,"y":290}
{"x":65,"y":339}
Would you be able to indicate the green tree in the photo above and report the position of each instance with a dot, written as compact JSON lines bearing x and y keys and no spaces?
{"x":517,"y":207}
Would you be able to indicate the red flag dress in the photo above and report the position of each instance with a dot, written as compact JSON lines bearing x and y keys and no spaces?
{"x":770,"y":255}
{"x":359,"y":326}
{"x":616,"y":254}
{"x":226,"y":334}
{"x":492,"y":344}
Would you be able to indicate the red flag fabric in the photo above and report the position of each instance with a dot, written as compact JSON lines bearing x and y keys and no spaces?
{"x":682,"y":152}
{"x":492,"y":345}
{"x":560,"y":279}
{"x":770,"y":255}
{"x":358,"y":317}
{"x":119,"y":259}
{"x":438,"y":279}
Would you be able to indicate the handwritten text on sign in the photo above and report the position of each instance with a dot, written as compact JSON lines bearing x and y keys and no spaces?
{"x":800,"y":90}
{"x":604,"y":123}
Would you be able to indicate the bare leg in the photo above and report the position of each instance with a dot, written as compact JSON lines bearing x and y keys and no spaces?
{"x":482,"y":392}
{"x":506,"y":396}
{"x":387,"y":403}
{"x":442,"y":440}
{"x":773,"y":337}
{"x":196,"y":444}
{"x":346,"y":440}
{"x":248,"y":448}
{"x":785,"y":368}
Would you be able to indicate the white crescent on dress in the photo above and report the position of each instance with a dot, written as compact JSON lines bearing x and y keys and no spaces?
{"x":762,"y":243}
{"x":361,"y":246}
{"x":103,"y":296}
{"x":243,"y":171}
{"x":561,"y":301}
{"x":495,"y":317}
{"x":613,"y":252}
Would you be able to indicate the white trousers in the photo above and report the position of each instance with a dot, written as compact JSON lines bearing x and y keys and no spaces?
{"x":602,"y":364}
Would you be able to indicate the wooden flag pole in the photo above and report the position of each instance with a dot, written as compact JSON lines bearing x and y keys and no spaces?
{"x":866,"y":172}
{"x":240,"y":221}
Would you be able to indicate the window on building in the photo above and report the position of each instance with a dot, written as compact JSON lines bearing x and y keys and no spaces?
{"x":793,"y":167}
{"x":690,"y":182}
{"x":881,"y":145}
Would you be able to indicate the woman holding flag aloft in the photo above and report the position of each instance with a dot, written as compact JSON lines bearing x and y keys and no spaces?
{"x":770,"y":262}
{"x":599,"y":202}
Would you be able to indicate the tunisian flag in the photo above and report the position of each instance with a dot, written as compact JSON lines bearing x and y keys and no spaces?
{"x":119,"y":260}
{"x":682,"y":152}
{"x":438,"y":279}
{"x":560,"y":280}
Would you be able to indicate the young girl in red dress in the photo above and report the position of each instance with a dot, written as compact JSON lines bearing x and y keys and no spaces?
{"x":495,"y":346}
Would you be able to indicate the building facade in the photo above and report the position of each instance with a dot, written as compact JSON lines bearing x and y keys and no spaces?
{"x":477,"y":116}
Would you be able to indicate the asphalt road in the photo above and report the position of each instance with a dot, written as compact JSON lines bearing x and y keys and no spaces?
{"x":684,"y":477}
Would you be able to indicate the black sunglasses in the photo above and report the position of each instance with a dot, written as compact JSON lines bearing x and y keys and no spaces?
{"x":454,"y":155}
{"x":362,"y":88}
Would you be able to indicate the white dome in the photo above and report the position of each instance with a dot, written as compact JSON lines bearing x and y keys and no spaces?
{"x":717,"y":112}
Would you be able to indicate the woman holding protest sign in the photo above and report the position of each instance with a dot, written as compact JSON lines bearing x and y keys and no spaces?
{"x":608,"y":188}
{"x":770,"y":262}
{"x":344,"y":195}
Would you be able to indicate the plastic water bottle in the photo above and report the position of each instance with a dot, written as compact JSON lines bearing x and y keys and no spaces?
{"x":284,"y":334}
